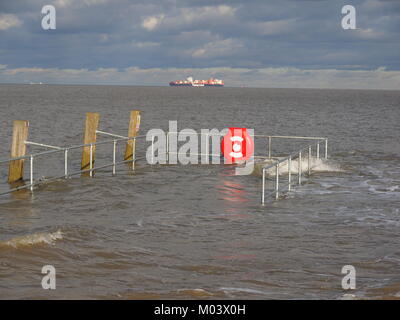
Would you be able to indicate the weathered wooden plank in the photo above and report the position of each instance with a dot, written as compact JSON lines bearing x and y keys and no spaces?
{"x":18,"y":149}
{"x":134,"y":125}
{"x":91,"y":126}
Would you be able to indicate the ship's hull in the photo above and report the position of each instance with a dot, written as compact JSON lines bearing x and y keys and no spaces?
{"x":194,"y":85}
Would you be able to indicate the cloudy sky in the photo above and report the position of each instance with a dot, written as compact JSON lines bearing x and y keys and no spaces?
{"x":259,"y":43}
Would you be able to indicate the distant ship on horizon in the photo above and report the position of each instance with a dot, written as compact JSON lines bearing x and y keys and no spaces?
{"x":189,"y":82}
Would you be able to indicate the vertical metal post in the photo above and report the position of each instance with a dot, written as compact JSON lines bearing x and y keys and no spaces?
{"x":318,"y":150}
{"x":152,"y":149}
{"x":31,"y":173}
{"x":114,"y":156}
{"x":299,"y":166}
{"x":326,"y":148}
{"x":263,"y":187}
{"x":66,"y":163}
{"x":134,"y":153}
{"x":269,"y":146}
{"x":207,"y":147}
{"x":277,"y":182}
{"x":289,"y":172}
{"x":309,"y":160}
{"x":167,"y":149}
{"x":91,"y":160}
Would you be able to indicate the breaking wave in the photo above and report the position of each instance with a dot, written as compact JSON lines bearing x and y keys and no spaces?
{"x":33,"y":239}
{"x":317,"y":165}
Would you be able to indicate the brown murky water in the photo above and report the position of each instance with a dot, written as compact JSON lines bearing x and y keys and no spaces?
{"x":199,"y":231}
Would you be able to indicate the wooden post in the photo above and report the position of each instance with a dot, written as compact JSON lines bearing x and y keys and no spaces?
{"x":91,"y":125}
{"x":18,"y":149}
{"x":134,"y":125}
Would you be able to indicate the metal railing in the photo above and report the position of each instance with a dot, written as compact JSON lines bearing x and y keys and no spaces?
{"x":269,"y":149}
{"x":319,"y":139}
{"x":299,"y":155}
{"x":117,"y":138}
{"x":32,"y":157}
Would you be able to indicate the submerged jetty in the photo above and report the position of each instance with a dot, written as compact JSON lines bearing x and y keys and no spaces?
{"x":282,"y":168}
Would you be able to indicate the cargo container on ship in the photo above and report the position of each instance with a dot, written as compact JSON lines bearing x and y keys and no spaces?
{"x":189,"y":82}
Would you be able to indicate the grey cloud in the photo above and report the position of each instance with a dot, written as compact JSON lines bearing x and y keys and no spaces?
{"x":253,"y":34}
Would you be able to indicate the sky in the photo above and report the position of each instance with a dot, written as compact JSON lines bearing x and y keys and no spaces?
{"x":249,"y":43}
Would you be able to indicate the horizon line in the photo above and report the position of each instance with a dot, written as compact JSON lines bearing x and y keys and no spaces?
{"x":185,"y":88}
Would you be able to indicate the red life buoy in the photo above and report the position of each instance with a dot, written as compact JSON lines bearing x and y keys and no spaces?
{"x":237,"y":145}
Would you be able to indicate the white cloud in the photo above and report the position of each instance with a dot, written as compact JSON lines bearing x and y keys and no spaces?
{"x":206,"y":13}
{"x":275,"y":27}
{"x":146,"y":44}
{"x":12,"y":72}
{"x":217,"y":48}
{"x":189,"y":17}
{"x":373,"y":5}
{"x":63,"y":3}
{"x":69,"y":3}
{"x":370,"y":34}
{"x":151,"y":23}
{"x":8,"y":21}
{"x":94,"y":2}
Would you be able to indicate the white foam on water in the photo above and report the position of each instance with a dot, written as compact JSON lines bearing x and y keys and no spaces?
{"x":317,"y":165}
{"x":195,"y":292}
{"x":33,"y":239}
{"x":381,"y":186}
{"x":246,"y":290}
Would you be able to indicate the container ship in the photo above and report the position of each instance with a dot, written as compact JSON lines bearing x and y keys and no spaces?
{"x":189,"y":82}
